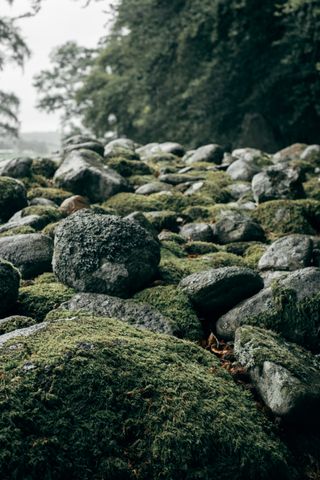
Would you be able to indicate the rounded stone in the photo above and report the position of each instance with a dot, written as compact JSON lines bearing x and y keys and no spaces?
{"x":13,"y":197}
{"x":9,"y":286}
{"x":104,"y":254}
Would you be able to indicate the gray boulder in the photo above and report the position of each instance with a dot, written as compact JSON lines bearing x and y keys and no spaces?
{"x":177,"y":178}
{"x":13,"y":197}
{"x":9,"y":286}
{"x":290,"y":307}
{"x":278,"y":182}
{"x":153,"y":187}
{"x":16,"y":167}
{"x":139,"y":315}
{"x":288,"y":253}
{"x":30,"y":253}
{"x":79,"y":142}
{"x":286,"y":376}
{"x":33,"y":221}
{"x":211,"y":153}
{"x":197,"y":232}
{"x":172,"y":147}
{"x":242,"y":170}
{"x":235,"y":226}
{"x":83,"y":173}
{"x":219,"y":289}
{"x":104,"y":254}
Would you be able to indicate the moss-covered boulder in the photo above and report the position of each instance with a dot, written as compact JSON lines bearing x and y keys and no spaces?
{"x":39,"y":299}
{"x":15,"y":322}
{"x":92,"y":398}
{"x":282,"y":217}
{"x":127,"y":168}
{"x":56,"y":195}
{"x":13,"y":197}
{"x":9,"y":286}
{"x":174,"y":304}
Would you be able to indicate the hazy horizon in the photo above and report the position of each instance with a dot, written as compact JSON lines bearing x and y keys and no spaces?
{"x":57,"y":22}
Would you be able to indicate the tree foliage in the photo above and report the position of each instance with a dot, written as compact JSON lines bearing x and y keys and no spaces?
{"x":194,"y":70}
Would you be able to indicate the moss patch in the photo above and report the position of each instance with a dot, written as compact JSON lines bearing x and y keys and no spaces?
{"x":174,"y":304}
{"x":127,"y":168}
{"x":92,"y":398}
{"x":57,"y":195}
{"x":17,"y":231}
{"x":14,"y":323}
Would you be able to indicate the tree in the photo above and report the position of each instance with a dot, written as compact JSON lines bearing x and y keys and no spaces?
{"x":56,"y":87}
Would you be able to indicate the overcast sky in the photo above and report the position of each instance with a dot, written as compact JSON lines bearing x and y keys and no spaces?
{"x":57,"y":22}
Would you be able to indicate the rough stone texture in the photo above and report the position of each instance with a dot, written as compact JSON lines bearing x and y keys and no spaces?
{"x":242,"y":170}
{"x":153,"y":187}
{"x":212,"y":153}
{"x":172,"y":147}
{"x":139,"y":315}
{"x":292,"y":308}
{"x":83,"y":174}
{"x":9,"y":286}
{"x":104,"y":254}
{"x":286,"y":376}
{"x":293,"y":152}
{"x":234,"y":226}
{"x":21,"y":333}
{"x":288,"y":253}
{"x":16,"y":167}
{"x":78,"y":142}
{"x":197,"y":231}
{"x":14,"y":322}
{"x":277,"y":182}
{"x":221,"y":288}
{"x":13,"y":197}
{"x":34,"y":221}
{"x":30,"y":253}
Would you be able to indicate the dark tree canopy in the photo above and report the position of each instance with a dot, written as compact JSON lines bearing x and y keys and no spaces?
{"x":205,"y":71}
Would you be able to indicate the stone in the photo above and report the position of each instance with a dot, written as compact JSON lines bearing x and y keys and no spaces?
{"x":14,"y":322}
{"x":153,"y":187}
{"x":9,"y":286}
{"x":293,"y":152}
{"x":33,"y":221}
{"x":236,"y":226}
{"x":311,"y":155}
{"x":172,"y":147}
{"x":163,"y":220}
{"x":73,"y":204}
{"x":13,"y":197}
{"x":197,"y":232}
{"x":79,"y":142}
{"x":286,"y":376}
{"x":211,"y":153}
{"x":239,"y":190}
{"x":83,"y":173}
{"x":45,"y":166}
{"x":277,"y":182}
{"x":19,"y":167}
{"x":104,"y":254}
{"x":177,"y":178}
{"x":290,"y":307}
{"x":140,"y":315}
{"x":44,"y":202}
{"x":220,"y":289}
{"x":288,"y":253}
{"x":30,"y":253}
{"x":242,"y":170}
{"x":142,"y":220}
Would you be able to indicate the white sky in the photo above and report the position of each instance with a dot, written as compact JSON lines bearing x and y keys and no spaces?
{"x":57,"y":22}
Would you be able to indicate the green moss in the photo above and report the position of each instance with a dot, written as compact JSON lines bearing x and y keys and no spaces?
{"x":38,"y":299}
{"x":50,"y":214}
{"x":253,"y":254}
{"x":260,"y":345}
{"x":12,"y":197}
{"x":207,"y":213}
{"x":174,"y":304}
{"x":14,"y":323}
{"x":46,"y":277}
{"x":120,"y":152}
{"x":297,"y":321}
{"x":50,"y":229}
{"x":163,"y":220}
{"x":57,"y":195}
{"x":312,"y":188}
{"x":139,"y":180}
{"x":283,"y":217}
{"x":92,"y":398}
{"x":173,"y":269}
{"x":200,"y":248}
{"x":45,"y":167}
{"x":36,"y":181}
{"x":127,"y":168}
{"x":17,"y":231}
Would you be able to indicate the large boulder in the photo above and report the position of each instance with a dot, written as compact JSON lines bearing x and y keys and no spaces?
{"x":79,"y":142}
{"x":9,"y":286}
{"x":13,"y":197}
{"x":197,"y":232}
{"x":30,"y":253}
{"x":286,"y":376}
{"x":83,"y":173}
{"x":288,"y":253}
{"x":88,"y":397}
{"x":290,"y":307}
{"x":212,"y":153}
{"x":219,"y":289}
{"x":104,"y":254}
{"x":234,"y":226}
{"x":277,"y":182}
{"x":16,"y":167}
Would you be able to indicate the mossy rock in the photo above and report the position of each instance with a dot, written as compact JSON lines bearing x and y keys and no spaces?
{"x":36,"y":181}
{"x":47,"y":277}
{"x":57,"y":195}
{"x":50,"y":229}
{"x":49,"y":214}
{"x":312,"y":188}
{"x":45,"y":167}
{"x":253,"y":255}
{"x":174,"y":304}
{"x":37,"y":300}
{"x":92,"y":398}
{"x":127,"y":168}
{"x":125,"y":203}
{"x":205,"y":213}
{"x":13,"y":197}
{"x":172,"y":269}
{"x":17,"y":231}
{"x":283,"y":217}
{"x":139,"y":180}
{"x":200,"y":248}
{"x":163,"y":220}
{"x":15,"y":322}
